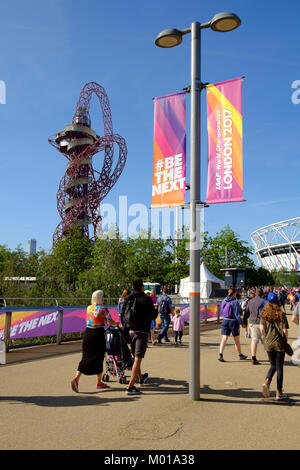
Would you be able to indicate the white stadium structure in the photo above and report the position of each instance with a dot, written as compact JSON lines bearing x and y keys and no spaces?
{"x":278,"y":245}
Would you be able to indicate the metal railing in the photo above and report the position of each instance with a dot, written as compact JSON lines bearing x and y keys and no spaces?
{"x":8,"y":310}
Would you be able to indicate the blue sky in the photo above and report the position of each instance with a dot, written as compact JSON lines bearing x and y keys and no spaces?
{"x":50,"y":49}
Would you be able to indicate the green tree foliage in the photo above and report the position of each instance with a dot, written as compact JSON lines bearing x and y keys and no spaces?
{"x":75,"y":267}
{"x":107,"y":269}
{"x":214,"y":252}
{"x":258,"y":276}
{"x":147,"y":258}
{"x":178,"y":268}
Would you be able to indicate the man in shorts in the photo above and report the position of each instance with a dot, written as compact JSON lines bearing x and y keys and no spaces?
{"x":252,"y":311}
{"x":231,"y":324}
{"x":139,"y":332}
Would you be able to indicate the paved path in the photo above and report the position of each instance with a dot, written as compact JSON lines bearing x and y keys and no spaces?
{"x":38,"y":409}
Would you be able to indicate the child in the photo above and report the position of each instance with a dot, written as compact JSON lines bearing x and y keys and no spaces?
{"x":178,"y":325}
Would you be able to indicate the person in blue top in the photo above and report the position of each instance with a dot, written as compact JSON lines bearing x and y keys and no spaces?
{"x":164,"y":309}
{"x":231,"y":313}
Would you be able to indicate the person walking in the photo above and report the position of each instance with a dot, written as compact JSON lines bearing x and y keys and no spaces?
{"x":178,"y":325}
{"x":230,"y":310}
{"x":93,"y":344}
{"x":120,"y":304}
{"x":295,"y":317}
{"x":164,"y":309}
{"x":153,"y":322}
{"x":252,"y":311}
{"x":274,"y":326}
{"x":138,"y":312}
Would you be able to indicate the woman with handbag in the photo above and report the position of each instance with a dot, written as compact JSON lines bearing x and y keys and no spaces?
{"x":274,"y":326}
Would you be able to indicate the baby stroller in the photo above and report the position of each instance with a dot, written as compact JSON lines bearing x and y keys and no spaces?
{"x":118,"y":357}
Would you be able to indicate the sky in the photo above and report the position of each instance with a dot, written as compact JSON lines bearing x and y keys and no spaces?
{"x":50,"y":49}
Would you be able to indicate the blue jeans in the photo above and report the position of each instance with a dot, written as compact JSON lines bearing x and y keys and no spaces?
{"x":165,"y":322}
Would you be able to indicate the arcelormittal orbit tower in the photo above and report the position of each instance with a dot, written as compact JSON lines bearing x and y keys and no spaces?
{"x":82,"y":187}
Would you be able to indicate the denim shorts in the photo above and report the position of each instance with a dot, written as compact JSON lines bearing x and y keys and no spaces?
{"x":230,"y":326}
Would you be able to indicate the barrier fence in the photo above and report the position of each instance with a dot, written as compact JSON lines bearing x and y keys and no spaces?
{"x":21,"y":322}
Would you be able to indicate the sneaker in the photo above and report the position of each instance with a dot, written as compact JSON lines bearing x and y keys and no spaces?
{"x":255,"y":361}
{"x":157,"y":341}
{"x":242,"y":357}
{"x":144,"y":378}
{"x":220,"y":358}
{"x":133,"y":391}
{"x":74,"y":385}
{"x":282,"y":397}
{"x":102,"y":385}
{"x":167,"y":340}
{"x":266,"y":390}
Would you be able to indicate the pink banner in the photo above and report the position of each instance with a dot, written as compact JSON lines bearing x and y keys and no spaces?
{"x":43,"y":322}
{"x":225,"y":142}
{"x":169,"y":151}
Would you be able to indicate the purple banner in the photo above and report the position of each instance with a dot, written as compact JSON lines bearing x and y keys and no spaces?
{"x":43,"y":322}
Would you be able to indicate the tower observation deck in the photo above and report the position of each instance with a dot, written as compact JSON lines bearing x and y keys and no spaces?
{"x":82,"y":188}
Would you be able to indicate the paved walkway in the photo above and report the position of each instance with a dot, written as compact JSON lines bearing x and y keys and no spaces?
{"x":38,"y":409}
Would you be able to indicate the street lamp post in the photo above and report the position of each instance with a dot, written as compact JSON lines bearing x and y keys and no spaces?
{"x":222,"y":22}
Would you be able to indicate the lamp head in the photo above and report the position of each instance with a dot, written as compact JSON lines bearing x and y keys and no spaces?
{"x":169,"y":38}
{"x":223,"y":22}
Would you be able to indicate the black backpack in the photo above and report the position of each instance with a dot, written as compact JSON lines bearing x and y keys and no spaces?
{"x":163,"y":308}
{"x":131,"y":314}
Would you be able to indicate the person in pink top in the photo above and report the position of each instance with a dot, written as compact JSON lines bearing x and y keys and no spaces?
{"x":178,"y":325}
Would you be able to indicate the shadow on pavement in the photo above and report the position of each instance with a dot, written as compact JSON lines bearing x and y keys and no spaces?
{"x":66,"y":401}
{"x":161,"y":386}
{"x":33,"y":353}
{"x":245,"y":396}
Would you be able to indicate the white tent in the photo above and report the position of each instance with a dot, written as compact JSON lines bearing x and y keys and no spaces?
{"x":207,"y":282}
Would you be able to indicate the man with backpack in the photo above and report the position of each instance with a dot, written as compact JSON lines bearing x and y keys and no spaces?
{"x":231,"y":313}
{"x":138,"y":311}
{"x":164,"y":309}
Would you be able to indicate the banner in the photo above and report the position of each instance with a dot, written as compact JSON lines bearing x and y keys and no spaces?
{"x":225,"y":142}
{"x":43,"y":322}
{"x":169,"y":151}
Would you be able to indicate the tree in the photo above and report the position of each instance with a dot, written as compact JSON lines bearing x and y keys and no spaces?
{"x":258,"y":276}
{"x":108,"y":266}
{"x":179,"y":266}
{"x":147,"y":258}
{"x":214,"y":251}
{"x":70,"y":257}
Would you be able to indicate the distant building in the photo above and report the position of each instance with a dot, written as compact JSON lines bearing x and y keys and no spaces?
{"x":31,"y":246}
{"x":278,"y":245}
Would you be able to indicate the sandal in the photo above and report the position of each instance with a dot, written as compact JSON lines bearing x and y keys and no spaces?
{"x":102,"y":385}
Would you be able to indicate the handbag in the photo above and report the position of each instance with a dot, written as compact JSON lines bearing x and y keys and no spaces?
{"x":287,"y":347}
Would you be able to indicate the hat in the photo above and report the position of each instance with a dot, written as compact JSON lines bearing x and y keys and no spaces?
{"x":273,"y":298}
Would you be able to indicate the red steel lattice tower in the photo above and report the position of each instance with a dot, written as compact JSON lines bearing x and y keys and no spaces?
{"x":82,"y":188}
